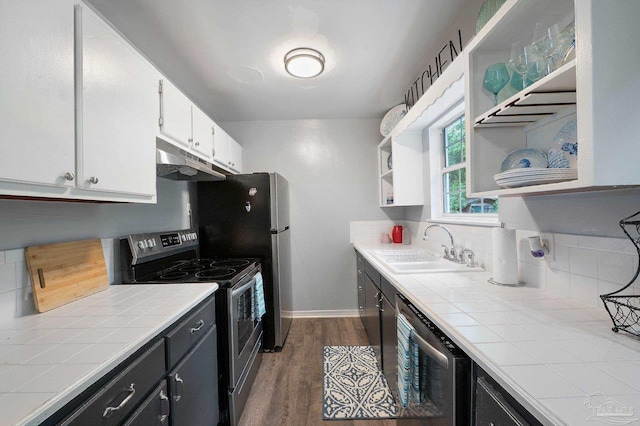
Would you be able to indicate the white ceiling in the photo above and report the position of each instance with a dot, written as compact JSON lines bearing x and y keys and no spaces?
{"x":227,"y":55}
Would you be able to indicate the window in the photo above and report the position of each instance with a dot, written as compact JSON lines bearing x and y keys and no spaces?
{"x":453,"y":173}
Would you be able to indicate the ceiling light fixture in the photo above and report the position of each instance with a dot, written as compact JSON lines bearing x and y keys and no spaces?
{"x":304,"y":62}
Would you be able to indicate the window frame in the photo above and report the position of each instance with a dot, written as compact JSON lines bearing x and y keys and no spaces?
{"x":437,"y":167}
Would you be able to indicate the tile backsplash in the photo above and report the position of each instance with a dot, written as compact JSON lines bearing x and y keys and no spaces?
{"x":580,"y":267}
{"x":16,"y":296}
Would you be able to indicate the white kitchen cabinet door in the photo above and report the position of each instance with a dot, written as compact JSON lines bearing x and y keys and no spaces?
{"x":202,"y":133}
{"x":37,"y":86}
{"x":221,"y":148}
{"x":235,"y":156}
{"x":119,"y":112}
{"x":175,"y":118}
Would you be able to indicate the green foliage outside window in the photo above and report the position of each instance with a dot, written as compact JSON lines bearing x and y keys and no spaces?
{"x":454,"y":180}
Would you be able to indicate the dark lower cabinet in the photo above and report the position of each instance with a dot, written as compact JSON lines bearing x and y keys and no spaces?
{"x":193,"y":385}
{"x":494,"y":406}
{"x":372,"y":314}
{"x":360,"y":274}
{"x":154,"y":411}
{"x":113,"y":403}
{"x":172,"y":381}
{"x":389,"y":341}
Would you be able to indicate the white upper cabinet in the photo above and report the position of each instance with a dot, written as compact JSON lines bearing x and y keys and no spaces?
{"x":119,"y":112}
{"x":402,"y":183}
{"x":235,"y":156}
{"x":175,"y":115}
{"x":203,"y":133}
{"x":79,"y":107}
{"x":221,"y":147}
{"x":37,"y":85}
{"x":596,"y":89}
{"x":227,"y":153}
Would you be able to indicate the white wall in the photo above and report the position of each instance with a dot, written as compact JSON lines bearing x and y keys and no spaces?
{"x":27,"y":222}
{"x":331,"y":169}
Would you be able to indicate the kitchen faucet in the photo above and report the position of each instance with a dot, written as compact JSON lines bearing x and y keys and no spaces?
{"x":449,"y":253}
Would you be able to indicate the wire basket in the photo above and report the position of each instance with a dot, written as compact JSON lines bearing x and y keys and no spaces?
{"x":624,"y":310}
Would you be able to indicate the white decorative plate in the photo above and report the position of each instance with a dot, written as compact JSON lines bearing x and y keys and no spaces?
{"x":391,"y":118}
{"x":563,"y":153}
{"x":533,"y":176}
{"x":524,"y":158}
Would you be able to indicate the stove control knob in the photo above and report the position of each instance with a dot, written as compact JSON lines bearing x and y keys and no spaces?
{"x":183,"y":237}
{"x":153,"y":242}
{"x":142,"y":244}
{"x":194,"y":236}
{"x":150,"y":243}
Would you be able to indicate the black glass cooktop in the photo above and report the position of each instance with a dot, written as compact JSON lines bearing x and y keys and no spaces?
{"x":200,"y":270}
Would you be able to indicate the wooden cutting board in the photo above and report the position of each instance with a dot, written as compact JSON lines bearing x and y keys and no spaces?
{"x":64,"y":272}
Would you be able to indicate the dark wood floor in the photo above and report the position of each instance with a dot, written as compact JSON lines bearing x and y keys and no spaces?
{"x":288,"y":388}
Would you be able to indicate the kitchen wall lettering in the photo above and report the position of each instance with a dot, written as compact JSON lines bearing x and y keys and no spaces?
{"x":444,"y":57}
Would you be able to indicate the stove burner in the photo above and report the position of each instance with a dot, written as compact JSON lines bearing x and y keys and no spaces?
{"x":192,"y":268}
{"x":169,"y":265}
{"x":234,"y":263}
{"x":215,"y":273}
{"x":173,"y":275}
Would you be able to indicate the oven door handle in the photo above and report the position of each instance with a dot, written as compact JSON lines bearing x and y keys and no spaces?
{"x":421,"y":342}
{"x":243,"y":288}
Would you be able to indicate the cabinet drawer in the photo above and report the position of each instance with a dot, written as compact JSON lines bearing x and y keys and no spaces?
{"x":154,"y":411}
{"x":114,"y":402}
{"x":372,"y":273}
{"x":187,"y":334}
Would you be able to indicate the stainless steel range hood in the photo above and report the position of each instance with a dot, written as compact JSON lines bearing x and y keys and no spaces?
{"x":177,"y":164}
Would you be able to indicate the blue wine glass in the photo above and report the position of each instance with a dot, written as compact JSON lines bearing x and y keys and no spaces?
{"x":495,"y":78}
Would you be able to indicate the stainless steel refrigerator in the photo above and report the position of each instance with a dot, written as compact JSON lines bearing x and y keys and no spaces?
{"x":248,"y":216}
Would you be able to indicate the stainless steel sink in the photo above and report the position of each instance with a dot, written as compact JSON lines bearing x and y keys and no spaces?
{"x":419,"y":262}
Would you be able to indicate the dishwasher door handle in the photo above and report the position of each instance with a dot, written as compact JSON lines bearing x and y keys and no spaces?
{"x":422,"y":343}
{"x":430,"y":350}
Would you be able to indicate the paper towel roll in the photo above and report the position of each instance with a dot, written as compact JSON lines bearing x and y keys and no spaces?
{"x":505,"y":256}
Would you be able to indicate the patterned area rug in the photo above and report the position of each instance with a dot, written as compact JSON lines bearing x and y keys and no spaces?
{"x":353,"y":385}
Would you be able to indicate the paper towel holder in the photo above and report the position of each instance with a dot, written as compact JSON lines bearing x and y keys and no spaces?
{"x":539,"y":246}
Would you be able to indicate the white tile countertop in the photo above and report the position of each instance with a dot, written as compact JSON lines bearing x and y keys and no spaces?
{"x":559,"y":358}
{"x":48,"y":359}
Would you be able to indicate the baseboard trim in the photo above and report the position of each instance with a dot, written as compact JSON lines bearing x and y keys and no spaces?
{"x":340,"y":313}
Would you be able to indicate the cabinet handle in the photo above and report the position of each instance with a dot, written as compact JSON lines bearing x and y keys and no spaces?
{"x":190,"y":140}
{"x":213,"y":152}
{"x":378,"y":300}
{"x":180,"y":383}
{"x":198,"y":327}
{"x":93,"y":180}
{"x":109,"y":410}
{"x":69,"y":176}
{"x":197,"y":143}
{"x":163,"y":398}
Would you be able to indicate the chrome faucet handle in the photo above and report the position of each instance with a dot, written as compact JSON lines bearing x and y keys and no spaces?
{"x":470,"y":257}
{"x":446,"y":252}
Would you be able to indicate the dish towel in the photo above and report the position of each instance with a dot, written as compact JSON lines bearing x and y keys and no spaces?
{"x":407,"y":349}
{"x":257,"y":290}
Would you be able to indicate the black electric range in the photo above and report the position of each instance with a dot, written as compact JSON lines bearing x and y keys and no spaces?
{"x":172,"y":258}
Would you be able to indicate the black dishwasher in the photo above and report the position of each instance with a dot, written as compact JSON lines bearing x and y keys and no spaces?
{"x":442,"y":385}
